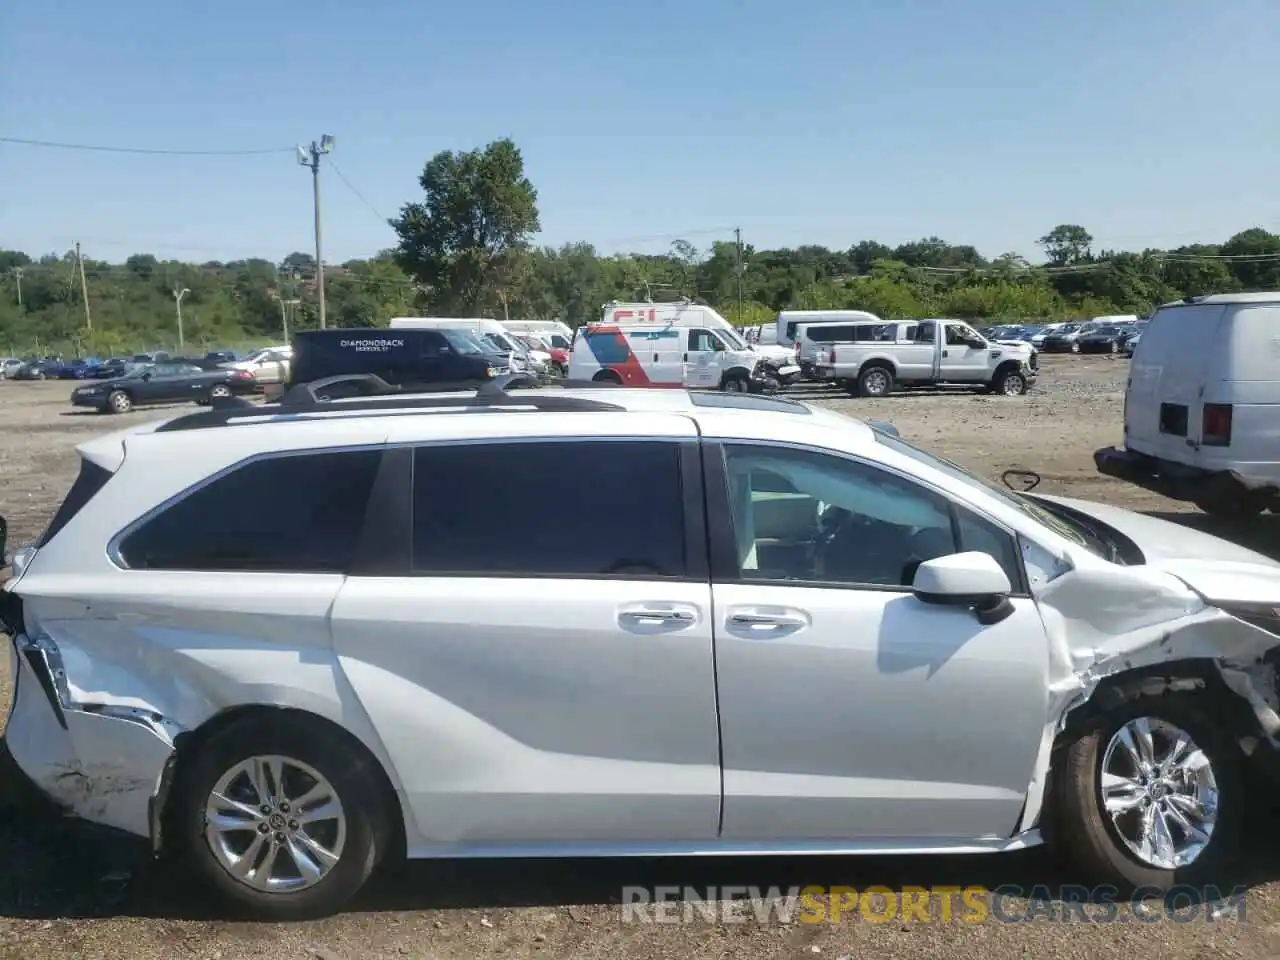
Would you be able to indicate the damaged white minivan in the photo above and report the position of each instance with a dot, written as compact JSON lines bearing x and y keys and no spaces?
{"x":286,"y":642}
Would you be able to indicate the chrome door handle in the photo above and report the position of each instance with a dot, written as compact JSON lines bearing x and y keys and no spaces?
{"x":657,"y":618}
{"x":764,"y":623}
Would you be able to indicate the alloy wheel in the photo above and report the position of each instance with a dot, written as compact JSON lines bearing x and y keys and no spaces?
{"x":275,"y":824}
{"x":1159,"y":790}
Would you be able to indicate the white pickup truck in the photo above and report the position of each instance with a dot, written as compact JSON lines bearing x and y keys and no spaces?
{"x":923,"y":353}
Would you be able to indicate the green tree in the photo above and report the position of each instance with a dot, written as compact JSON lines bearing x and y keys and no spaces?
{"x":464,"y":241}
{"x":1066,"y":245}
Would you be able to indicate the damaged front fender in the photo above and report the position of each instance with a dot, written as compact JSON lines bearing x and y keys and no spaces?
{"x":1105,"y":626}
{"x":106,"y":764}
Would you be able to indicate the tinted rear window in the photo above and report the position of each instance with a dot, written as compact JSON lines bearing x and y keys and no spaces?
{"x":836,"y":334}
{"x":622,"y":510}
{"x":300,"y":513}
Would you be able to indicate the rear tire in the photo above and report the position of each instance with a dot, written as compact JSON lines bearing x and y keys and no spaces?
{"x":208,"y":835}
{"x":875,"y":382}
{"x":607,"y":376}
{"x":219,"y":391}
{"x":1109,"y":846}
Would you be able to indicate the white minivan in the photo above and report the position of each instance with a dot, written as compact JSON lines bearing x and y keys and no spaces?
{"x":1202,"y":405}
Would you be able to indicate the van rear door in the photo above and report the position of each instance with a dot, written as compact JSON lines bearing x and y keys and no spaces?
{"x":1167,"y":379}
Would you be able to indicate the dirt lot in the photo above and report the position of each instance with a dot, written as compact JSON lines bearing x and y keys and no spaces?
{"x":66,"y":891}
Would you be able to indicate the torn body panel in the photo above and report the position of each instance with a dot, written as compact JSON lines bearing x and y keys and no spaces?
{"x":101,"y":705}
{"x":1106,"y":622}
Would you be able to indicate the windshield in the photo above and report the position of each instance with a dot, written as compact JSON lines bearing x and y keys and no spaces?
{"x":137,"y":371}
{"x":461,"y":342}
{"x":1059,"y":525}
{"x":1070,"y":328}
{"x":733,"y":339}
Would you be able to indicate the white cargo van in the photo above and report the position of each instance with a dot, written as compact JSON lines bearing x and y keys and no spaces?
{"x":789,"y":321}
{"x":1202,"y":404}
{"x":666,"y":355}
{"x":553,"y":332}
{"x":484,"y":330}
{"x":685,"y":313}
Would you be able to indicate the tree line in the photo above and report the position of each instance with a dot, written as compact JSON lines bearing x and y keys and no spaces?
{"x":466,"y":249}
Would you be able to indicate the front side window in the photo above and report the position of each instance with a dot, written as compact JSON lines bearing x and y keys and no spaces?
{"x":300,"y":513}
{"x":622,"y":516}
{"x":810,"y":517}
{"x":702,"y":341}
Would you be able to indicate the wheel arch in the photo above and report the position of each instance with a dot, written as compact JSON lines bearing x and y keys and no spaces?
{"x":1004,"y":367}
{"x":881,"y":362}
{"x":188,"y":744}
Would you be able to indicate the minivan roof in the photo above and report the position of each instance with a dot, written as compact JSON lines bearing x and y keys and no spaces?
{"x":1265,"y":297}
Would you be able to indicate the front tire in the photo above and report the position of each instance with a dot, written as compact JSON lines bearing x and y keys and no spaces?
{"x":734,"y":384}
{"x":1149,"y":795}
{"x":119,"y":402}
{"x":1010,"y":383}
{"x":280,"y":819}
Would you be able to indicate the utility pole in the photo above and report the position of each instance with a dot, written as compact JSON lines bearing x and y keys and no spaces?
{"x":17,"y":275}
{"x":177,"y":299}
{"x":84,"y":288}
{"x":737,"y":240}
{"x":284,"y":315}
{"x":310,"y":157}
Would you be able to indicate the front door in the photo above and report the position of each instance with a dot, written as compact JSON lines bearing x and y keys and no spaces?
{"x":850,"y":710}
{"x":961,"y":361}
{"x":543,"y":683}
{"x":701,"y":363}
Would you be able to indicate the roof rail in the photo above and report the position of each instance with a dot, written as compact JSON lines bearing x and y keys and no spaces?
{"x":377,"y":404}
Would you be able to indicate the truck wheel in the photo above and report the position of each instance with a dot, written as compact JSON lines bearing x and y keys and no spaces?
{"x":875,"y":382}
{"x":734,"y":383}
{"x":1149,"y":795}
{"x":1011,"y":383}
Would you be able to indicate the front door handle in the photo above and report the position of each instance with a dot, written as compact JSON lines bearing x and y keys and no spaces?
{"x":944,"y":353}
{"x":758,"y":624}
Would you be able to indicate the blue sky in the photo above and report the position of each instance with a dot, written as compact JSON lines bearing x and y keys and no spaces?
{"x":1150,"y":122}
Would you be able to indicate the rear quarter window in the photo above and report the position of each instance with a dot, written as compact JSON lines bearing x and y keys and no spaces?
{"x":297,"y":513}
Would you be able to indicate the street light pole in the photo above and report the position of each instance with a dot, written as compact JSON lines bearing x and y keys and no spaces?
{"x":310,"y":157}
{"x":177,"y":299}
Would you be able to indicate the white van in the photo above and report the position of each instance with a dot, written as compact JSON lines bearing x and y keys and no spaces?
{"x":684,"y":313}
{"x":789,"y":321}
{"x":552,"y":332}
{"x":665,"y":355}
{"x":813,"y":340}
{"x":1202,"y":403}
{"x":487,"y":331}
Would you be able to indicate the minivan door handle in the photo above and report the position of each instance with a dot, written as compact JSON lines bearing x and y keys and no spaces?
{"x":657,"y":617}
{"x":766,"y":624}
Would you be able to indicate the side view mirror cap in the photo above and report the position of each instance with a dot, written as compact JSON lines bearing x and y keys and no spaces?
{"x":970,"y":579}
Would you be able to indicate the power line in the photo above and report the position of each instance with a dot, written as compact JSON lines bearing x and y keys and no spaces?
{"x":101,"y":148}
{"x":359,"y":196}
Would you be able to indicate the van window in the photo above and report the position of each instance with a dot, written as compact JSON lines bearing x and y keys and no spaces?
{"x":484,"y":527}
{"x":296,"y":513}
{"x":842,"y":333}
{"x":703,"y":341}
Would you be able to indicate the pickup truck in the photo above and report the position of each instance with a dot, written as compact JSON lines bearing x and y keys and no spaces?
{"x":930,"y":353}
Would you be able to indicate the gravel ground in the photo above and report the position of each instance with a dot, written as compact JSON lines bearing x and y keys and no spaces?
{"x":69,"y":891}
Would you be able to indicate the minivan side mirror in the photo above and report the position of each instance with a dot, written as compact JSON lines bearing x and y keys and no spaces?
{"x":971,"y":579}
